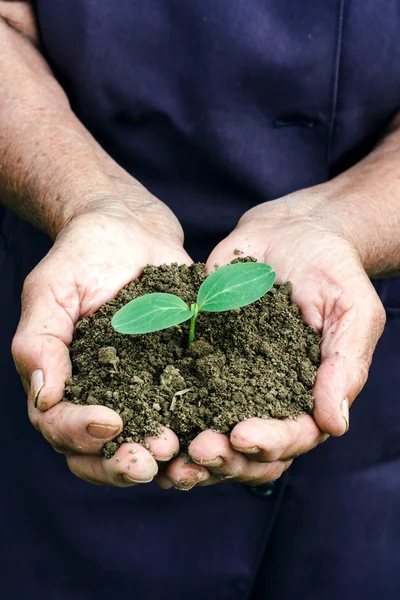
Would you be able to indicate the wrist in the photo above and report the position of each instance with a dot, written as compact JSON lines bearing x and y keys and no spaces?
{"x":135,"y":208}
{"x":365,"y":211}
{"x":52,"y":169}
{"x":359,"y":207}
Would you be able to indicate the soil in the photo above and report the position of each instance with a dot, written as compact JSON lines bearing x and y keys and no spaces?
{"x":256,"y":361}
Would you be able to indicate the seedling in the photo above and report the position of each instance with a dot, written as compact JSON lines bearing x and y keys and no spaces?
{"x":233,"y":286}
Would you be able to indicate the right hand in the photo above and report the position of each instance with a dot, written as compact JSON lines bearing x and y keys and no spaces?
{"x":96,"y":254}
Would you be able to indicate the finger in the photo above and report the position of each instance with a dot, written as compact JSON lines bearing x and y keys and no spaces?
{"x":184,"y":474}
{"x":163,"y":482}
{"x":40,"y":344}
{"x":269,"y":440}
{"x":214,"y":451}
{"x":263,"y":475}
{"x":353,"y":324}
{"x":165,"y":446}
{"x":131,"y":464}
{"x":72,"y":428}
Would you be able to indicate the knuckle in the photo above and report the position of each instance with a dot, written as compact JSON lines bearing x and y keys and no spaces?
{"x":35,"y":282}
{"x":266,"y":477}
{"x":380,"y":316}
{"x":34,"y":419}
{"x":362,"y":372}
{"x":271,"y":455}
{"x":30,"y":284}
{"x":48,"y":435}
{"x":376,"y":314}
{"x":18,"y":350}
{"x":58,"y":449}
{"x":295,"y":454}
{"x":73,"y":466}
{"x":277,"y":471}
{"x":303,"y":447}
{"x":62,"y":421}
{"x":52,"y":428}
{"x":230,"y":471}
{"x":287,"y":464}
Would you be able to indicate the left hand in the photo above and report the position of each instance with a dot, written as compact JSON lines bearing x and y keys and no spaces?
{"x":337,"y":298}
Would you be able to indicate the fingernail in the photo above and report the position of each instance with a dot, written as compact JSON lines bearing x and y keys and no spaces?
{"x":181,"y":489}
{"x":184,"y":485}
{"x":216,"y":462}
{"x":131,"y":479}
{"x":37,"y":383}
{"x":164,"y":458}
{"x":203,"y":476}
{"x":100,"y":431}
{"x":345,"y":413}
{"x":252,"y":450}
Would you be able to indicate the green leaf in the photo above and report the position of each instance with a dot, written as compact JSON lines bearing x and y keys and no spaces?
{"x":151,"y":312}
{"x":234,"y":286}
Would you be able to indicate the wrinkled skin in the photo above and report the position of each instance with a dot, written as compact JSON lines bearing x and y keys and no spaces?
{"x":92,"y":259}
{"x":98,"y":253}
{"x":336,"y":298}
{"x":21,"y":17}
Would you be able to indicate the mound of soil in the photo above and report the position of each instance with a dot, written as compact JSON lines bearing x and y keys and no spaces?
{"x":256,"y":361}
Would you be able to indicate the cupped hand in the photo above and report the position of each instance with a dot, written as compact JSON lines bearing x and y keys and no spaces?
{"x":93,"y":257}
{"x":309,"y":248}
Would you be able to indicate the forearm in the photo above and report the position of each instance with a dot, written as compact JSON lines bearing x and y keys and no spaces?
{"x":365,"y":202}
{"x":51,"y":168}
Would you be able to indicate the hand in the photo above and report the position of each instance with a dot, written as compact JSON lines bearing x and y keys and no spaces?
{"x":93,"y":257}
{"x":308,"y":248}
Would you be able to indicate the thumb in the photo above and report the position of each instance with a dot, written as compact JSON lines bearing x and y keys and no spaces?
{"x":39,"y":346}
{"x":353,"y":323}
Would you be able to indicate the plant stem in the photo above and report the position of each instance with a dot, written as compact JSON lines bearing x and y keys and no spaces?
{"x":195,"y":309}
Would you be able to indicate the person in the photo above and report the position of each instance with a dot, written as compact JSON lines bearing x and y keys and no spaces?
{"x":269,"y":127}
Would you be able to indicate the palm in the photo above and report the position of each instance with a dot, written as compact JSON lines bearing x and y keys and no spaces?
{"x":97,"y":259}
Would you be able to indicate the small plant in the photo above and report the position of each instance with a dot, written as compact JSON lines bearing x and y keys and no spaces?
{"x":230,"y":287}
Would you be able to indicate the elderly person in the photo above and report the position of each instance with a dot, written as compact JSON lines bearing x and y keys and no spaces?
{"x":268,"y":126}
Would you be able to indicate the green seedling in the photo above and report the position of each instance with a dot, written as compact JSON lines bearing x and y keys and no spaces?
{"x":233,"y":286}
